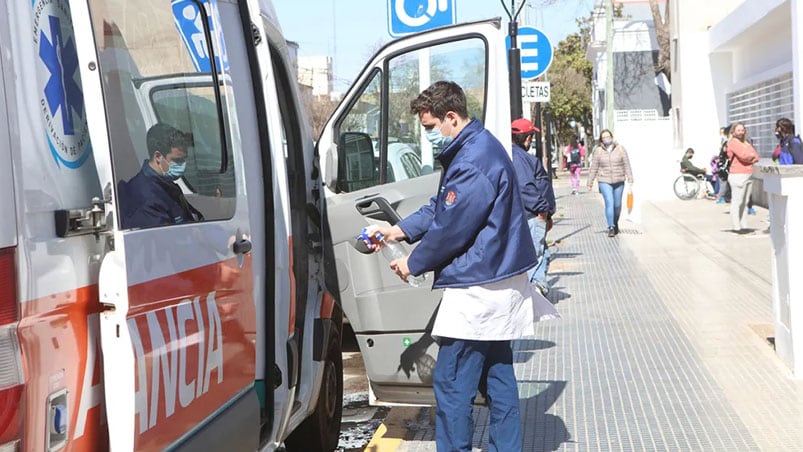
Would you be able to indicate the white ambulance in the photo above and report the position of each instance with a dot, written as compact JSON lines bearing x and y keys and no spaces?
{"x":222,"y":333}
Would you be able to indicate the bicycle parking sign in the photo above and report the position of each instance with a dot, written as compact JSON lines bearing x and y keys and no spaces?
{"x":411,"y":16}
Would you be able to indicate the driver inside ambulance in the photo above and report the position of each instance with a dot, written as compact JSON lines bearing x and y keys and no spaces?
{"x":152,"y":197}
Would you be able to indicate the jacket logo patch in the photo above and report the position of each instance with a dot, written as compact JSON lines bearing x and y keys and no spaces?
{"x":450,"y":198}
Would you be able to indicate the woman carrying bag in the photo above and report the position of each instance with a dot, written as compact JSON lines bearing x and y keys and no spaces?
{"x":611,"y":167}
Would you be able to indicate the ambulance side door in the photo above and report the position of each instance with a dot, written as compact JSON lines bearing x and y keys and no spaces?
{"x":378,"y":167}
{"x":178,"y":323}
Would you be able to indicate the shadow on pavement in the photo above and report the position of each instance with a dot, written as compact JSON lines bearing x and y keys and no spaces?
{"x":563,"y":256}
{"x":555,"y":295}
{"x":525,"y":349}
{"x":559,"y":274}
{"x":542,"y":431}
{"x":521,"y":345}
{"x":566,"y":236}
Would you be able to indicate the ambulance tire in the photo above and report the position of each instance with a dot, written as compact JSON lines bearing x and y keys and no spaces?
{"x":321,"y":430}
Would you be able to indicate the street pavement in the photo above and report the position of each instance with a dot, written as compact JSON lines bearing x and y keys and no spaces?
{"x":665,"y":340}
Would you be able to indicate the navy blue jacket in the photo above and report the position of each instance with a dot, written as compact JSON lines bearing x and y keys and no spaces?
{"x":536,"y":188}
{"x":474,"y":231}
{"x":150,"y":199}
{"x":792,"y":145}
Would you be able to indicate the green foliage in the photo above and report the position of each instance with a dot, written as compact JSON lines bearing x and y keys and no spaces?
{"x":570,"y":76}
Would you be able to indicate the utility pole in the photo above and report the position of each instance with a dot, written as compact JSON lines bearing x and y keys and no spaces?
{"x":609,"y":102}
{"x":549,"y":153}
{"x":514,"y":59}
{"x":538,"y":138}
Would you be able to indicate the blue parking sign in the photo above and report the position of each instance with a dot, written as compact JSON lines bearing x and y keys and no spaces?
{"x":411,"y":16}
{"x":536,"y":52}
{"x":190,"y":24}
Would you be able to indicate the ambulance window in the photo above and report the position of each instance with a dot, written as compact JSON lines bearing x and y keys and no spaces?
{"x":462,"y":62}
{"x":358,"y":152}
{"x":166,"y":64}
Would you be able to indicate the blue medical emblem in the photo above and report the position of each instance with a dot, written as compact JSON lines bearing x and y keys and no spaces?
{"x":62,"y":100}
{"x":62,"y":92}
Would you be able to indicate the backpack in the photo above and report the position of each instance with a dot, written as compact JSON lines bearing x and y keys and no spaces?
{"x":723,"y":164}
{"x":574,"y":156}
{"x":785,"y":157}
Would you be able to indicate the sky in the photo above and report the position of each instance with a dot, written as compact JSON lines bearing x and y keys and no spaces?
{"x":350,"y":30}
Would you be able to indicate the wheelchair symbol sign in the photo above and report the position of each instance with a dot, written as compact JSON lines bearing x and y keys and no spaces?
{"x":411,"y":16}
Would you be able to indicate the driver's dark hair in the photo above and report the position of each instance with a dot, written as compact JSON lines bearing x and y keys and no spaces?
{"x":440,"y":98}
{"x":162,"y":137}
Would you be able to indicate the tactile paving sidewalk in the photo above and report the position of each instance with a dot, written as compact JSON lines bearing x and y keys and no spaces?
{"x":661,"y":345}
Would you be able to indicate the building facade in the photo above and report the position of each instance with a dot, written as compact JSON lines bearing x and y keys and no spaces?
{"x":736,"y":61}
{"x":316,"y":71}
{"x":640,"y":91}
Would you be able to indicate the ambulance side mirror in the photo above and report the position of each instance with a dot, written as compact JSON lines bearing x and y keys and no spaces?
{"x":357,"y":165}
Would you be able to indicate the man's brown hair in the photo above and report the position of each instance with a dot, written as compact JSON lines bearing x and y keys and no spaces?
{"x":440,"y":98}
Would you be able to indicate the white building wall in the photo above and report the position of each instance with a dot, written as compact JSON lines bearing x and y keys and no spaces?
{"x":316,"y":71}
{"x":646,"y":136}
{"x":698,"y":121}
{"x":727,"y":57}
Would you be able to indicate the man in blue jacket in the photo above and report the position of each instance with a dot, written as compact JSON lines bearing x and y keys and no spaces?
{"x":537,"y":195}
{"x":474,"y":236}
{"x":152,"y":198}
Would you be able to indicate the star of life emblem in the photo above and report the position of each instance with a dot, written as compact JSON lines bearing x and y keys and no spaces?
{"x":62,"y":100}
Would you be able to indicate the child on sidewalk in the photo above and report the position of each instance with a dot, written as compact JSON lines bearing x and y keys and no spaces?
{"x":574,"y":156}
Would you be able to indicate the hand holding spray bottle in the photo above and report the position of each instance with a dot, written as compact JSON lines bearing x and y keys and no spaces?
{"x":368,"y":241}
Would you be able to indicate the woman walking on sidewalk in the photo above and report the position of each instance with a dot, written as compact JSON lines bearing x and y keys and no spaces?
{"x":611,"y":166}
{"x":742,"y":155}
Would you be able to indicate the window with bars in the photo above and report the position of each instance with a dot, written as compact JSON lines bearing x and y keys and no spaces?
{"x":759,"y":106}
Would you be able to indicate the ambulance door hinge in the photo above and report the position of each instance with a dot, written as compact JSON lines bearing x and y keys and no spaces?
{"x":314,"y":244}
{"x":89,"y":220}
{"x":255,"y":34}
{"x":277,"y":376}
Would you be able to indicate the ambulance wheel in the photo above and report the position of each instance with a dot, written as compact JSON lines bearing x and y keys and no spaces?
{"x":321,"y":430}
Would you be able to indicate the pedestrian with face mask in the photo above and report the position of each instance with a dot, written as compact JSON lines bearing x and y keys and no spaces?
{"x":742,"y":156}
{"x":611,"y":166}
{"x":789,"y":150}
{"x":473,"y":234}
{"x":152,"y":197}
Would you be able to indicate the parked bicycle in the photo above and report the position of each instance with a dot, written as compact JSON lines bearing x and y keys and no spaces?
{"x":688,"y":187}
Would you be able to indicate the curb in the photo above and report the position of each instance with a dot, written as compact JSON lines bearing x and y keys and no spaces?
{"x":393,"y":431}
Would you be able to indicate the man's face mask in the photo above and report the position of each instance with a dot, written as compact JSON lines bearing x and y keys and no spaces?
{"x":176,"y":170}
{"x":435,"y":137}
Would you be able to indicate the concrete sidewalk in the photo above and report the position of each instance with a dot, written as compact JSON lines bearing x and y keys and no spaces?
{"x":663,"y":344}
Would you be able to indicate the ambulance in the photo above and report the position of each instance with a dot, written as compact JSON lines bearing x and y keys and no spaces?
{"x":222,"y":333}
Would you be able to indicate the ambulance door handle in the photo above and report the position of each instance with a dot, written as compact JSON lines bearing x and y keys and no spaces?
{"x":241,"y":246}
{"x":378,"y":207}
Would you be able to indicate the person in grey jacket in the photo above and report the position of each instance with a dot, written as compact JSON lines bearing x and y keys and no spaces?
{"x":611,"y":167}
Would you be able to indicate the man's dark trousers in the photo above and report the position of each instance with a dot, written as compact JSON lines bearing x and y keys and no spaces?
{"x":460,"y":365}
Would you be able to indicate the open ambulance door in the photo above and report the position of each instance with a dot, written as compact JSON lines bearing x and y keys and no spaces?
{"x":379,"y":167}
{"x":177,"y":329}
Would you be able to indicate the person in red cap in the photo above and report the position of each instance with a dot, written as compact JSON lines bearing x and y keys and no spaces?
{"x":537,"y":196}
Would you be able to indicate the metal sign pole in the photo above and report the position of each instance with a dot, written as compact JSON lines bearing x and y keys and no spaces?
{"x":514,"y":59}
